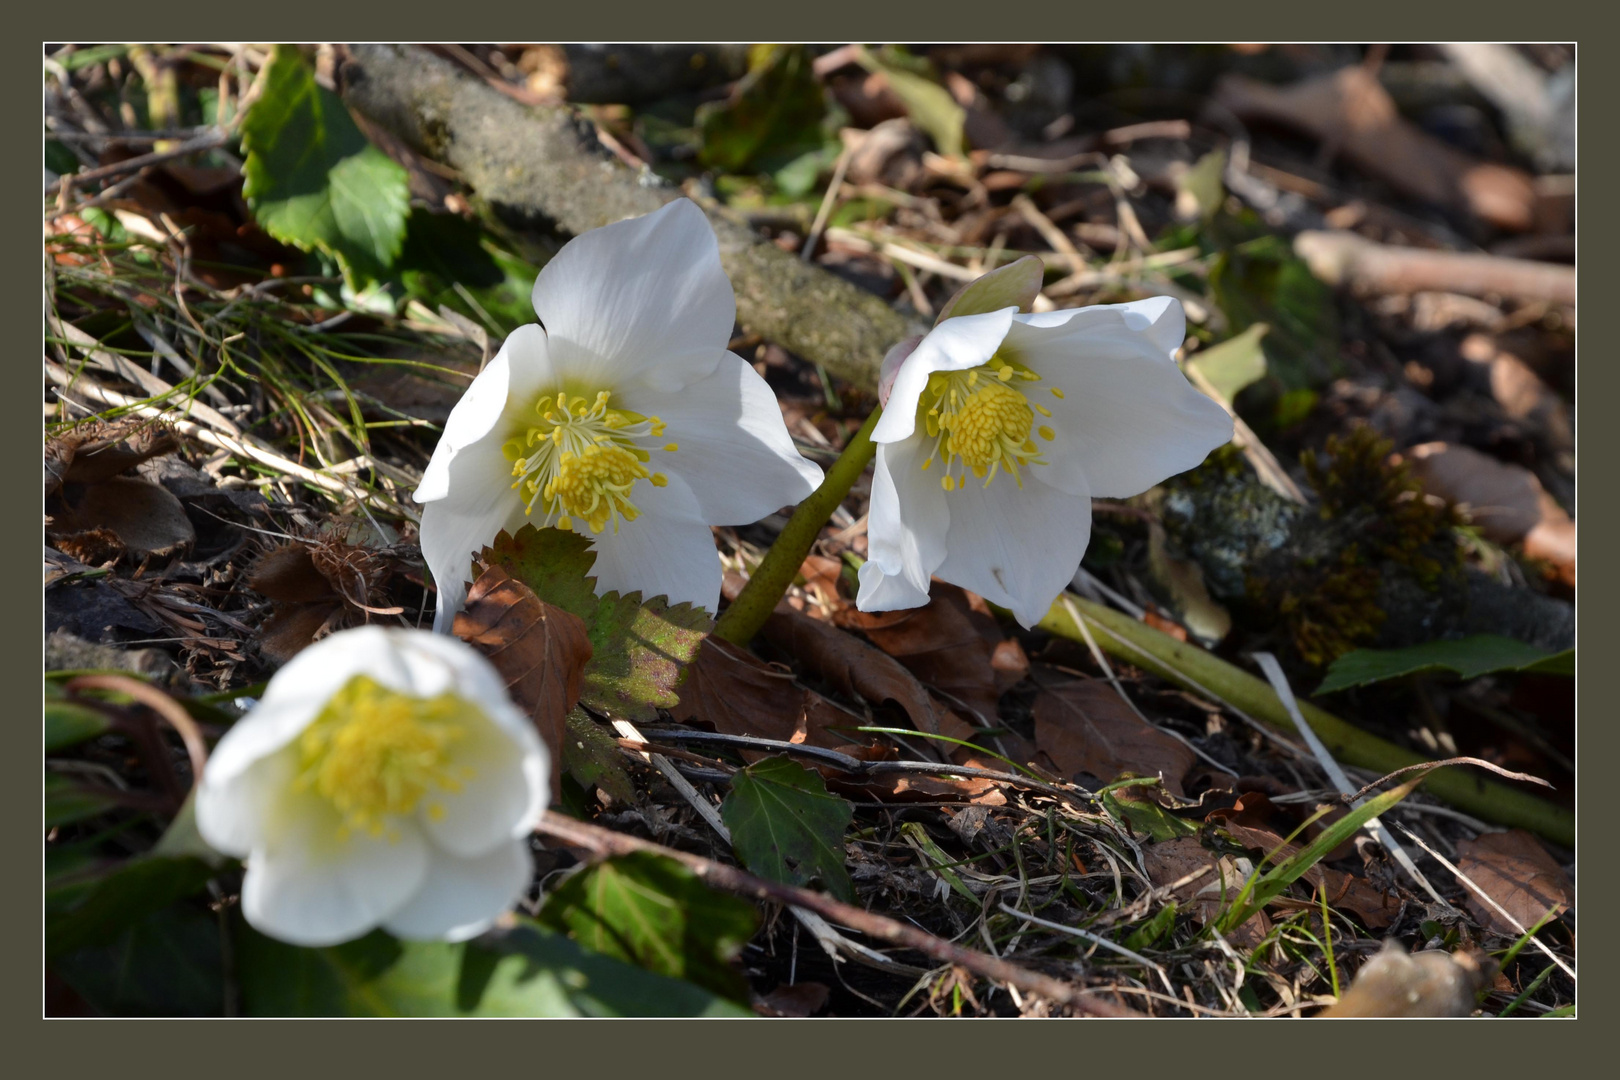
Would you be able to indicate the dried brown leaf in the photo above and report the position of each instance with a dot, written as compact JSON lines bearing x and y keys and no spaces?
{"x":851,"y":665}
{"x":940,"y":645}
{"x":1170,"y":861}
{"x":1506,"y":501}
{"x":145,"y":518}
{"x":1084,"y":726}
{"x":540,"y":650}
{"x":735,"y":692}
{"x":1515,"y":871}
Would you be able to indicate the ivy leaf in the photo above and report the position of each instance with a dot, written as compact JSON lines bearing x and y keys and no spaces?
{"x":527,"y":970}
{"x":786,"y":827}
{"x":312,"y":178}
{"x":651,"y":911}
{"x":640,"y":648}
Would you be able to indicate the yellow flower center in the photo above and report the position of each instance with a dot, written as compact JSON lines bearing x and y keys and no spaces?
{"x":581,"y":458}
{"x":374,"y":753}
{"x":981,"y":421}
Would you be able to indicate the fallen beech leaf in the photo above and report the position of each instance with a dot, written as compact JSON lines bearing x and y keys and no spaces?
{"x":1360,"y":897}
{"x":1431,"y":983}
{"x":540,"y":651}
{"x":1084,"y":726}
{"x":316,"y":586}
{"x":1506,"y":501}
{"x":142,"y":516}
{"x":941,"y":647}
{"x":735,"y":692}
{"x":1171,"y":860}
{"x":851,"y":665}
{"x":1515,"y":871}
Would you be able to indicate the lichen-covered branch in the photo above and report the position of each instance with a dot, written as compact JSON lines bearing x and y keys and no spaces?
{"x":547,"y":163}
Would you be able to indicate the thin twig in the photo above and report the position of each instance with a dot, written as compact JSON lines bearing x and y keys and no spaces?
{"x":604,"y":842}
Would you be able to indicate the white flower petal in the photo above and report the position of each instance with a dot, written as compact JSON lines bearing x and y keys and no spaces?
{"x":509,"y":385}
{"x":885,"y":592}
{"x":665,"y":557}
{"x":735,"y":452}
{"x":307,"y":887}
{"x":908,"y":515}
{"x":480,"y":504}
{"x":953,"y":345}
{"x":499,"y":799}
{"x":1128,"y":418}
{"x":232,"y":808}
{"x":643,"y":297}
{"x":461,"y":897}
{"x":1016,"y":547}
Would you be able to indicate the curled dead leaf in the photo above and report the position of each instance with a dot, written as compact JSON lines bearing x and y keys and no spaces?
{"x":851,"y":665}
{"x":540,"y":650}
{"x":316,"y":586}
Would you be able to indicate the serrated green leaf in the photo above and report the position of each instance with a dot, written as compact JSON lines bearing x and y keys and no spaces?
{"x":136,"y":888}
{"x":640,"y":648}
{"x":651,"y":911}
{"x":1468,"y":658}
{"x":312,"y":178}
{"x":591,"y":756}
{"x":787,"y":827}
{"x":525,"y":971}
{"x":169,"y":963}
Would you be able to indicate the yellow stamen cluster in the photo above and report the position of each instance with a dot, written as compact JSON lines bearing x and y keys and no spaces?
{"x":374,"y":753}
{"x":982,"y":420}
{"x":581,"y":459}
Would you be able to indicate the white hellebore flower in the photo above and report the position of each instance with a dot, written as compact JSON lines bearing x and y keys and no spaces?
{"x":621,"y":415}
{"x":998,"y":429}
{"x":384,"y":779}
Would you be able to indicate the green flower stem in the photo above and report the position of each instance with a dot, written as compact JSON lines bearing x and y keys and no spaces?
{"x":776,"y":571}
{"x":1183,"y":664}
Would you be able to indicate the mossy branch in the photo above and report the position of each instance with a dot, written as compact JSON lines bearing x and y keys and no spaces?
{"x":546,"y":163}
{"x":775,"y":572}
{"x":1203,"y":672}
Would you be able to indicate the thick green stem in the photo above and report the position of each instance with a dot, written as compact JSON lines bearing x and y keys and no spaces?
{"x":1202,"y":671}
{"x":771,"y":578}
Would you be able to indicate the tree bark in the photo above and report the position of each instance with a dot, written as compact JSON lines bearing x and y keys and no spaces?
{"x":548,"y":163}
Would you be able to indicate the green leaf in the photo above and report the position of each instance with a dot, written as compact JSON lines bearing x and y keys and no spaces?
{"x":1469,"y":658}
{"x":1205,"y":183}
{"x":772,"y":117}
{"x":1260,"y":889}
{"x":525,"y":971}
{"x":640,"y":648}
{"x":314,"y":181}
{"x":786,"y":827}
{"x":798,"y":177}
{"x":591,"y":756}
{"x":651,"y":911}
{"x":67,"y":801}
{"x":68,"y":723}
{"x":1149,"y":933}
{"x":1145,"y":815}
{"x":1014,"y":285}
{"x":169,"y":963}
{"x":1256,"y":277}
{"x":100,"y":913}
{"x":929,"y":104}
{"x":1234,"y":363}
